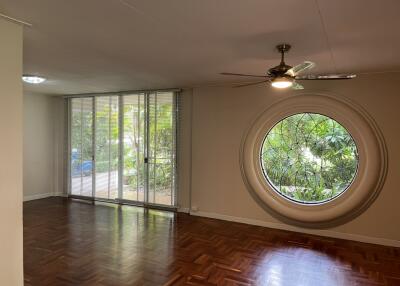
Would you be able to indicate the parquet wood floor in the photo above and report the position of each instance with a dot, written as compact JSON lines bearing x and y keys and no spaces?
{"x":69,"y":242}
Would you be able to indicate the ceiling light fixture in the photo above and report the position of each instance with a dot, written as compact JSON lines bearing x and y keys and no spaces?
{"x":282,"y":82}
{"x":33,"y":79}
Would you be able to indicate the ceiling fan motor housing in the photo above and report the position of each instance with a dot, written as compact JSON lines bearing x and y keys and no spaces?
{"x":279,"y":70}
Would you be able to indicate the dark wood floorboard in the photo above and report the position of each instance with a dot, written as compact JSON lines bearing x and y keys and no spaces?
{"x":69,"y":242}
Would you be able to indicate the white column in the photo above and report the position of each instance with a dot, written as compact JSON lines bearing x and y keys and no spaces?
{"x":11,"y":258}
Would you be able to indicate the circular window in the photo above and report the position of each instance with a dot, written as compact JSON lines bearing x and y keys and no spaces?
{"x":314,"y":160}
{"x":309,"y":158}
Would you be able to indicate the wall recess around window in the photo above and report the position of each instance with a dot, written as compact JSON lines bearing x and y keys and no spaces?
{"x":314,"y":160}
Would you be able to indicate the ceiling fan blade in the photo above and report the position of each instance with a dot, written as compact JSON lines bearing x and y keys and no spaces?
{"x":299,"y":68}
{"x":252,"y":83}
{"x":241,"y":74}
{"x":297,"y":86}
{"x":326,"y":77}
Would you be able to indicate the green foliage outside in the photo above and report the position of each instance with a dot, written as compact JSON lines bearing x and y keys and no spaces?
{"x":161,"y":149}
{"x":161,"y":143}
{"x":81,"y":131}
{"x":309,"y":158}
{"x":106,"y":135}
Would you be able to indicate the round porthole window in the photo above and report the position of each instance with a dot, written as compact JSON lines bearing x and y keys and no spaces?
{"x":314,"y":160}
{"x":309,"y":158}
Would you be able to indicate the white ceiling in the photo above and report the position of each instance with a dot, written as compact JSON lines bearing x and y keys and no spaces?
{"x":108,"y":45}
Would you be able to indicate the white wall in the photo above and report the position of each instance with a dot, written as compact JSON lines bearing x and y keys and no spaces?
{"x":11,"y":258}
{"x":43,"y":146}
{"x":222,"y":114}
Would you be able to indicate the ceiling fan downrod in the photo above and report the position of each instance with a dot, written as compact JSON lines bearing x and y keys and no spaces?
{"x":283,"y":48}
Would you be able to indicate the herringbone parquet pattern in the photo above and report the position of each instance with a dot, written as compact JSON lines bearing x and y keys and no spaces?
{"x":75,"y":243}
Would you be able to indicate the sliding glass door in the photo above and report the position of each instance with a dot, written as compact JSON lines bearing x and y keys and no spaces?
{"x":123,"y":147}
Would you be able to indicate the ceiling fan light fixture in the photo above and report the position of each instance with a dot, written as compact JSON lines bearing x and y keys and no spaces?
{"x":284,"y":76}
{"x":282,"y":82}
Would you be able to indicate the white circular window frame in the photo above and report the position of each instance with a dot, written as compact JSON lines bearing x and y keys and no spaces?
{"x":372,"y":164}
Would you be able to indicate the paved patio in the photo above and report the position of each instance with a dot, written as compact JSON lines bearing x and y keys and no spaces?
{"x":83,"y":187}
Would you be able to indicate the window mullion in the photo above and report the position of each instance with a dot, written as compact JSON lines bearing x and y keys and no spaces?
{"x":120,"y":145}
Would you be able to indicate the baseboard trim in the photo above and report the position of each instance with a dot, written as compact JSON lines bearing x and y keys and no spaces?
{"x":37,"y":197}
{"x":326,"y":233}
{"x":183,"y":210}
{"x":42,"y":196}
{"x":60,"y":195}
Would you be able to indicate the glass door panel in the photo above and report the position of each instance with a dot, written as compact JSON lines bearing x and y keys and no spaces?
{"x":161,"y":148}
{"x":134,"y":138}
{"x":81,"y":152}
{"x":106,"y":142}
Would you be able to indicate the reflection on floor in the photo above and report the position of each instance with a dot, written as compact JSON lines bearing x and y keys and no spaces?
{"x":69,"y":242}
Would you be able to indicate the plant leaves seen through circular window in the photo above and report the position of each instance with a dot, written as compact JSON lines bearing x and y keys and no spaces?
{"x":309,"y":158}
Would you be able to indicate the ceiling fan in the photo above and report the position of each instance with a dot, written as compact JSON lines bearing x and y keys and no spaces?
{"x":285,"y":76}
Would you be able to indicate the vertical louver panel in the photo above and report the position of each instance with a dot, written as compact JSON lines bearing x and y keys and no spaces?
{"x":106,"y":142}
{"x":134,"y":139}
{"x":161,"y":148}
{"x":81,"y":153}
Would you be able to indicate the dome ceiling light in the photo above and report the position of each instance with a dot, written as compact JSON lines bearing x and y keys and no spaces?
{"x":33,"y":79}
